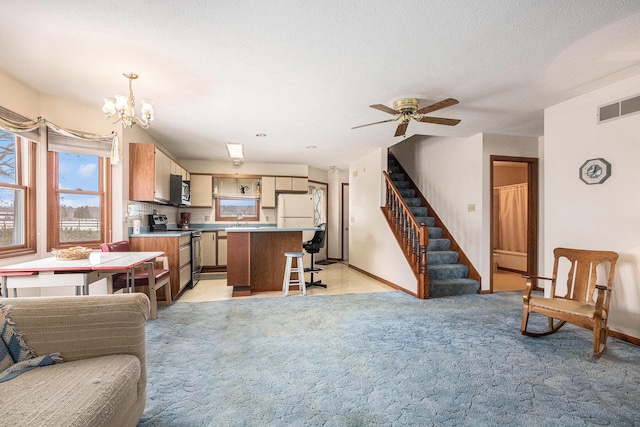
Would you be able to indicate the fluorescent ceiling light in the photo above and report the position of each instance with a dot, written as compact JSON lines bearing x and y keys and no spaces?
{"x":236,"y":151}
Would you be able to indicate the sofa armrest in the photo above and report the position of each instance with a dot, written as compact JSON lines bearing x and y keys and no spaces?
{"x":81,"y":327}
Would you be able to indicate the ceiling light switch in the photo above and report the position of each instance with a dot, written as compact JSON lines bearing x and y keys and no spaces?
{"x":471,"y":207}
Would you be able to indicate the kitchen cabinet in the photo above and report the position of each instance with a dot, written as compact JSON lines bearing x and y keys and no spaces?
{"x":268,"y":192}
{"x":149,"y":170}
{"x":291,"y":184}
{"x":201,"y":190}
{"x":256,"y":261}
{"x":209,"y":249}
{"x":178,"y":251}
{"x":221,"y":248}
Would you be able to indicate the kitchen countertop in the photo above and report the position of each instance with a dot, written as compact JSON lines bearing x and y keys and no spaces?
{"x":267,"y":229}
{"x":172,"y":233}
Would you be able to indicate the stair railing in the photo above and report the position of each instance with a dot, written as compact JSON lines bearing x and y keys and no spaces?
{"x":412,"y":237}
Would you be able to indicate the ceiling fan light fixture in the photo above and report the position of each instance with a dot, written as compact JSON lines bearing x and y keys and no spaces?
{"x":405,"y":109}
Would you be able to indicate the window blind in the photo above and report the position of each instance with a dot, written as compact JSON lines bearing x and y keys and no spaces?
{"x":69,"y":144}
{"x":33,"y":134}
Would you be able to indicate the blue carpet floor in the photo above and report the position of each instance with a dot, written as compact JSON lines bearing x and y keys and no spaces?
{"x":382,"y":359}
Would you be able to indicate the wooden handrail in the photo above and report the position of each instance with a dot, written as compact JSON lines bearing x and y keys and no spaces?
{"x":412,"y":237}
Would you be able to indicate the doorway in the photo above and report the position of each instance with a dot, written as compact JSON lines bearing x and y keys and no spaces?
{"x":345,"y":223}
{"x":514,"y":221}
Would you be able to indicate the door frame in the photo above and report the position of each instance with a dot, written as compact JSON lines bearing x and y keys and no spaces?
{"x":532,"y":211}
{"x":342,"y":219}
{"x":325,"y":213}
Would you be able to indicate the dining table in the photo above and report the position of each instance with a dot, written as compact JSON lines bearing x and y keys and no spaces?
{"x":53,"y":272}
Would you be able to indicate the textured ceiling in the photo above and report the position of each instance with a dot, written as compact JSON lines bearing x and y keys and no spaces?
{"x":305,"y":73}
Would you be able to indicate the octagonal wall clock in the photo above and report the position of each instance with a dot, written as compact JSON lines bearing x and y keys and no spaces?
{"x":595,"y":171}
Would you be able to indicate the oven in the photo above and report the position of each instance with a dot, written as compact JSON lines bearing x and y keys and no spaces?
{"x":158,"y":223}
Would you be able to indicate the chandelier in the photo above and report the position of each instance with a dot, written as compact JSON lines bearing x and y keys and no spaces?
{"x":123,"y":106}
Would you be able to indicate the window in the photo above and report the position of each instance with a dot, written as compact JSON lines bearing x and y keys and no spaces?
{"x":237,"y":209}
{"x":17,"y":195}
{"x":79,"y":194}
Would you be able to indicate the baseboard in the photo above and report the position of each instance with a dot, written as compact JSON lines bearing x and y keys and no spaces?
{"x":380,"y":279}
{"x":625,"y":337}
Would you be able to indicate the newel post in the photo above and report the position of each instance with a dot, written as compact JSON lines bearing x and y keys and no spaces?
{"x":423,"y":292}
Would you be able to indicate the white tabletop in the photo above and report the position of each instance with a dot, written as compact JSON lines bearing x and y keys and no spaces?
{"x":97,"y":261}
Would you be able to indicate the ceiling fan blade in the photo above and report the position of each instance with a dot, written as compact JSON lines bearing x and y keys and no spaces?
{"x":439,"y":121}
{"x":384,"y":108}
{"x":438,"y":105}
{"x":369,"y":124}
{"x":402,"y":129}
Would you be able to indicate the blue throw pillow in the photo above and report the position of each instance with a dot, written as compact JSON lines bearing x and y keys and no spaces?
{"x":16,"y":356}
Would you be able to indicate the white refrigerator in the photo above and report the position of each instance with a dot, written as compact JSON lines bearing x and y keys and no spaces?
{"x":295,"y":210}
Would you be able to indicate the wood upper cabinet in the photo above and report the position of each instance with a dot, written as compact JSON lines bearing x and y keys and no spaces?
{"x":149,"y":170}
{"x":142,"y":172}
{"x":201,"y":190}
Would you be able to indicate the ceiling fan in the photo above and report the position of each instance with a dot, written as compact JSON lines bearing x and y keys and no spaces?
{"x":406,"y":109}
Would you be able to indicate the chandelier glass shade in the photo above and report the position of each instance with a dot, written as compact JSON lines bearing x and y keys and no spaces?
{"x":123,"y":107}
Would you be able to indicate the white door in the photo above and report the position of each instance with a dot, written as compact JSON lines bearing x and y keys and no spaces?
{"x":345,"y":222}
{"x":319,"y":192}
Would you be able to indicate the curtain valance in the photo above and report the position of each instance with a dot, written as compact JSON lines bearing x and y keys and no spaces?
{"x":61,"y":139}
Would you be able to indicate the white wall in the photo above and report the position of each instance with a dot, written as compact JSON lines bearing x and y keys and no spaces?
{"x":604,"y":216}
{"x":372,"y":246}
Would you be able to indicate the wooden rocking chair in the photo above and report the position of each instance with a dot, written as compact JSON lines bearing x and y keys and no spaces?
{"x":578,"y":306}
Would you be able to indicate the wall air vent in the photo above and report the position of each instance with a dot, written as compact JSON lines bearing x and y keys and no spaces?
{"x":619,"y":109}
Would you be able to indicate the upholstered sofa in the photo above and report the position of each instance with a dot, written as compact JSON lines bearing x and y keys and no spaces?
{"x":102,"y":379}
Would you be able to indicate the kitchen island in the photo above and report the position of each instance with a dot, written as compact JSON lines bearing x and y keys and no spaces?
{"x":255,"y":257}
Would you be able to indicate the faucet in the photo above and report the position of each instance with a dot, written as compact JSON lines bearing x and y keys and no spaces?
{"x":239,"y":216}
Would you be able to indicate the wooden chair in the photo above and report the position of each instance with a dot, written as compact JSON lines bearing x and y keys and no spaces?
{"x":578,"y":306}
{"x":161,"y":275}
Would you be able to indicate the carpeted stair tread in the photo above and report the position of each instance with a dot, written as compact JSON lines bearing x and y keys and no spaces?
{"x":438,"y":245}
{"x":402,"y":184}
{"x":407,"y":192}
{"x":419,"y":210}
{"x":429,"y":220}
{"x":435,"y":232}
{"x":442,"y":257}
{"x":447,"y":271}
{"x":413,"y":201}
{"x":439,"y":288}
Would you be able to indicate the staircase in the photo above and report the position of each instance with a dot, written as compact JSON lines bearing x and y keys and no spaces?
{"x":447,"y":276}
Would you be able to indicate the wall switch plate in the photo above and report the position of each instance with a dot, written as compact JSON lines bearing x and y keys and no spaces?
{"x":207,"y":218}
{"x":471,"y":207}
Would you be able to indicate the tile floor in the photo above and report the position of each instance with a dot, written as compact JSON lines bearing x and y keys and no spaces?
{"x":339,"y":277}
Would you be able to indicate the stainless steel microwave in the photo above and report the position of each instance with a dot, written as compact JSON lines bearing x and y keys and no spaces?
{"x":179,"y":191}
